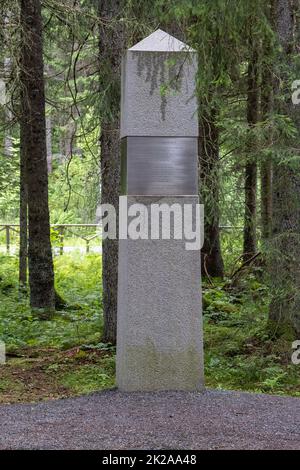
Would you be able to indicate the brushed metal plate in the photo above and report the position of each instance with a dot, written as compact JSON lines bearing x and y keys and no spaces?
{"x":159,"y":166}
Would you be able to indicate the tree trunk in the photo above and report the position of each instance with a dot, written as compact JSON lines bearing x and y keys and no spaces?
{"x":266,"y":169}
{"x":284,"y":259}
{"x":110,"y":52}
{"x":250,"y":211}
{"x":41,"y":276}
{"x":69,"y":139}
{"x":23,"y":215}
{"x":251,"y":165}
{"x":211,"y":256}
{"x":266,"y":199}
{"x":8,"y":143}
{"x":110,"y":195}
{"x":49,"y":143}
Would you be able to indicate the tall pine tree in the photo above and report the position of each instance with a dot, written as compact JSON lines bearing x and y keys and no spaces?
{"x":41,"y":276}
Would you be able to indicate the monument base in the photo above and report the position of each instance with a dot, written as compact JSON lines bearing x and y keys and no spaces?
{"x":159,"y":337}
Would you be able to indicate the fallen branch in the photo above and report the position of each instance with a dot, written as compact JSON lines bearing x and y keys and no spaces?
{"x":246,"y":263}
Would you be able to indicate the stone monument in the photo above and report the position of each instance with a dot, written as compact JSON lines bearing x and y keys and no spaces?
{"x":159,"y":327}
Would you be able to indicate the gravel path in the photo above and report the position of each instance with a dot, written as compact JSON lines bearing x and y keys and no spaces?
{"x":168,"y":420}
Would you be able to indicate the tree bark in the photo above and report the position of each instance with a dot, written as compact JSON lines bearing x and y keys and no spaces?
{"x":249,"y":249}
{"x":49,"y":143}
{"x":266,"y":167}
{"x":211,"y":255}
{"x":266,"y":198}
{"x":284,"y":258}
{"x":110,"y":195}
{"x":23,"y":215}
{"x":251,"y":166}
{"x":8,"y":142}
{"x":41,"y":276}
{"x":110,"y":52}
{"x":69,"y":139}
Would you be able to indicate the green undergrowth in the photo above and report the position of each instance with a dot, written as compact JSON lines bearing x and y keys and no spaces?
{"x":240,"y":354}
{"x":65,"y":357}
{"x":78,"y":281}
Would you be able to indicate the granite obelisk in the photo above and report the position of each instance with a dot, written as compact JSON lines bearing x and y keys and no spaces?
{"x":159,"y":337}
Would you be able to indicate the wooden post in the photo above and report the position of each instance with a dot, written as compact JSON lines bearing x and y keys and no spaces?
{"x":61,"y":240}
{"x":7,"y":233}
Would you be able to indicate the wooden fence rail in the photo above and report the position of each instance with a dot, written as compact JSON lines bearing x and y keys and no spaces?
{"x":63,"y":230}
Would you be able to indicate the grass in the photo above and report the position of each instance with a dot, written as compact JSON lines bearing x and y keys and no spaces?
{"x":65,"y":357}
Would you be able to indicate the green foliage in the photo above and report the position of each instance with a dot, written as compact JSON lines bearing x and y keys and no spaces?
{"x":239,"y":352}
{"x":78,"y":281}
{"x":99,"y":347}
{"x":89,"y":378}
{"x":9,"y":184}
{"x":74,"y":191}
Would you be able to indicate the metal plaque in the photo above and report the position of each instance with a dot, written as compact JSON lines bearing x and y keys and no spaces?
{"x":159,"y":166}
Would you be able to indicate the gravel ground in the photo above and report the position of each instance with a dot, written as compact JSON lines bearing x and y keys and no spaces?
{"x":164,"y":420}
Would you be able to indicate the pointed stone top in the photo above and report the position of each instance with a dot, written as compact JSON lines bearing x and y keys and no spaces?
{"x":160,"y":41}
